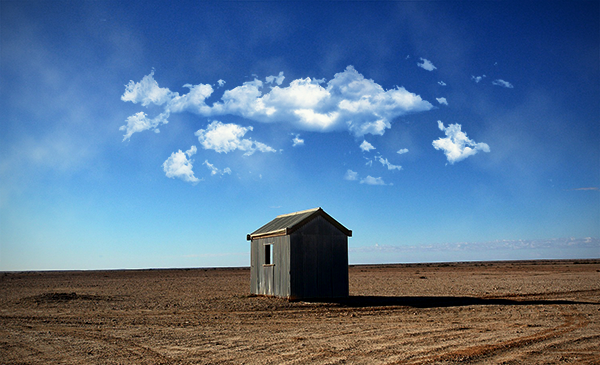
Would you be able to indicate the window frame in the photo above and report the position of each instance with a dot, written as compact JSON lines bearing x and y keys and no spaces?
{"x":268,"y":254}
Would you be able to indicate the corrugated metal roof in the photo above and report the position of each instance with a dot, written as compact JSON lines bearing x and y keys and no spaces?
{"x":287,"y":223}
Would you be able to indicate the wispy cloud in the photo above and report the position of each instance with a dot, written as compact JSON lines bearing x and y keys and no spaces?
{"x":366,"y":146}
{"x":275,"y":79}
{"x":593,"y":188}
{"x":442,"y":101}
{"x":500,"y":82}
{"x":351,"y":175}
{"x":216,"y":171}
{"x":457,"y":146}
{"x":552,"y":243}
{"x":179,"y":166}
{"x":427,"y":65}
{"x":442,"y":83}
{"x":297,"y":141}
{"x":477,"y":78}
{"x":402,"y":151}
{"x":369,"y":180}
{"x":385,"y":162}
{"x":348,"y":101}
{"x":228,"y":137}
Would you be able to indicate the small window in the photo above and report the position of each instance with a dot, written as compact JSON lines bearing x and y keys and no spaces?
{"x":269,"y":254}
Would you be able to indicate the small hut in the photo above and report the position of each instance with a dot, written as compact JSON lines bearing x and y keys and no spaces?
{"x":300,"y":255}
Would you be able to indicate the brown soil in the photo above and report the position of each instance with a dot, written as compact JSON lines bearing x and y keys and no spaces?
{"x":537,"y":312}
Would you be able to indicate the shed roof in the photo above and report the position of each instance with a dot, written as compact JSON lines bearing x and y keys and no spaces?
{"x":286,"y":224}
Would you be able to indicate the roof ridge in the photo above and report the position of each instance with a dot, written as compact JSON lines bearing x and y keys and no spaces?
{"x":300,"y":212}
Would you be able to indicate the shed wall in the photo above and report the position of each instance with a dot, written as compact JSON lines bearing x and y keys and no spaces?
{"x":271,"y":279}
{"x":318,"y":261}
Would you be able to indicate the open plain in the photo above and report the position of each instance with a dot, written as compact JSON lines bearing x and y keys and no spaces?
{"x":533,"y":312}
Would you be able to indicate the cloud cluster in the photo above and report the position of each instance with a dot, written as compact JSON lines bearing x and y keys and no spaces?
{"x":457,"y":146}
{"x":348,"y":101}
{"x":179,"y":166}
{"x":228,"y":137}
{"x":370,"y":180}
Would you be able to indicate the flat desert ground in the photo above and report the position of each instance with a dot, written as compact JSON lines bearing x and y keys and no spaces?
{"x":531,"y":312}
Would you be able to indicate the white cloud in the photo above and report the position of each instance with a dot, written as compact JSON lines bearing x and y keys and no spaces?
{"x":457,"y":146}
{"x":370,"y":180}
{"x":179,"y":166}
{"x":427,"y":65}
{"x":369,"y":162}
{"x":193,"y":101}
{"x":242,"y":100}
{"x":275,"y":79}
{"x":140,"y":122}
{"x":228,"y":137}
{"x":442,"y":101}
{"x":221,"y":82}
{"x":216,"y":171}
{"x":502,"y":83}
{"x":366,"y":146}
{"x":297,"y":141}
{"x":348,"y":101}
{"x":146,"y":91}
{"x":477,"y":78}
{"x":402,"y":151}
{"x":385,"y":162}
{"x":442,"y":83}
{"x":351,"y":175}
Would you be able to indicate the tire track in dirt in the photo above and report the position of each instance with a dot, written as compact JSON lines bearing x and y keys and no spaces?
{"x":545,"y":294}
{"x":573,"y":321}
{"x":120,"y":347}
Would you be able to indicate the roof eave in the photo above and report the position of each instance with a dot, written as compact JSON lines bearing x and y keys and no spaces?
{"x":277,"y":233}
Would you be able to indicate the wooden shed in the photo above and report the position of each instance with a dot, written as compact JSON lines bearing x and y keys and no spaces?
{"x":300,"y":255}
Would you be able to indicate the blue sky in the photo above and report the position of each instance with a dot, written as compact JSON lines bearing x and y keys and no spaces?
{"x":147,"y":134}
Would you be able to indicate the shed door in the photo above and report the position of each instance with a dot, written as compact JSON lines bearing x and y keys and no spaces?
{"x":268,"y":268}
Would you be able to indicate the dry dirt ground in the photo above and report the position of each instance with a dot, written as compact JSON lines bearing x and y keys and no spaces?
{"x":537,"y":312}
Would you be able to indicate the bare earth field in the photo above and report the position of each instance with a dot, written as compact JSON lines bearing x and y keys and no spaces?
{"x":536,"y":312}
